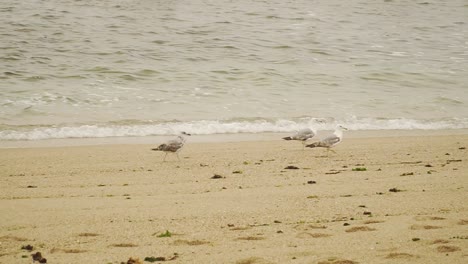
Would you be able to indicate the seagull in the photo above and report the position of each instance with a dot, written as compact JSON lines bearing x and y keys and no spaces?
{"x":172,"y":146}
{"x":302,"y":135}
{"x":330,"y":141}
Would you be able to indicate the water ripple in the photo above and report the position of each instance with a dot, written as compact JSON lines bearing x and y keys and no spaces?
{"x":141,"y":60}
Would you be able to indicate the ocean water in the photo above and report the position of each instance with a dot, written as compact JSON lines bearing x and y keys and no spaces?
{"x":106,"y":68}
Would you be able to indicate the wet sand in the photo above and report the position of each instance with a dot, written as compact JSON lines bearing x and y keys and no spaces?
{"x":376,"y":200}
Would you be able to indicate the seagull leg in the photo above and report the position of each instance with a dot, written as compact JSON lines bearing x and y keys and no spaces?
{"x":333,"y":151}
{"x":165,"y":155}
{"x":177,"y":156}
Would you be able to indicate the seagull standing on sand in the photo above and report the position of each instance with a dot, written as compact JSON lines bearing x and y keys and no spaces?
{"x":172,"y":146}
{"x":302,"y":135}
{"x":329,"y":141}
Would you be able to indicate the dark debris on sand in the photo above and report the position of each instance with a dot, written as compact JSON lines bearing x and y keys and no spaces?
{"x":132,"y":261}
{"x":154,"y":259}
{"x":217,"y":176}
{"x":407,"y":174}
{"x":38,"y":257}
{"x":28,"y":248}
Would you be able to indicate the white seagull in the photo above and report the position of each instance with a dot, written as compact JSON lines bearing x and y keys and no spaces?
{"x":172,"y":146}
{"x":302,"y":135}
{"x":329,"y":141}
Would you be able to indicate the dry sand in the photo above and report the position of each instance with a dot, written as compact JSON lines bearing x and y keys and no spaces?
{"x":105,"y":204}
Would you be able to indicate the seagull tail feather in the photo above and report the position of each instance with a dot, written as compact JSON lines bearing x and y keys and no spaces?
{"x":161,"y":147}
{"x":313,"y":145}
{"x":287,"y":138}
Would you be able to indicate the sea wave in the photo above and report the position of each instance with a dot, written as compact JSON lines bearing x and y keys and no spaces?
{"x":207,"y":127}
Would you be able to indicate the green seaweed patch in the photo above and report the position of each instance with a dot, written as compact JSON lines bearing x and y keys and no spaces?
{"x":166,"y":234}
{"x":359,"y":169}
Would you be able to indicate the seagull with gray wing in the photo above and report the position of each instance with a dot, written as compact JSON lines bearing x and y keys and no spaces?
{"x":172,"y":146}
{"x":329,"y":141}
{"x":302,"y":135}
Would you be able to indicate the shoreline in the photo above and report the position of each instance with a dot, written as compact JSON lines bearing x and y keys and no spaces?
{"x":241,"y":137}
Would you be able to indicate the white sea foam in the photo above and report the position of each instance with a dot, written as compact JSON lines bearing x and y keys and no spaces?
{"x":207,"y":127}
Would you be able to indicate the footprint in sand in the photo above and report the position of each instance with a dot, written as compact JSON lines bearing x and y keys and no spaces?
{"x":13,"y":238}
{"x":373,"y":222}
{"x":253,"y":260}
{"x":439,"y":241}
{"x":359,"y":228}
{"x":447,"y":249}
{"x":251,"y":238}
{"x":181,"y":242}
{"x":74,"y":251}
{"x":428,"y":218}
{"x":337,"y":261}
{"x":312,"y":235}
{"x":308,"y":227}
{"x":123,"y":245}
{"x":398,"y":255}
{"x":424,"y":227}
{"x":88,"y":234}
{"x":240,"y":228}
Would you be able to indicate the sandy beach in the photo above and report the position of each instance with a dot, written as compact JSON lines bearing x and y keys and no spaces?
{"x":376,"y":200}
